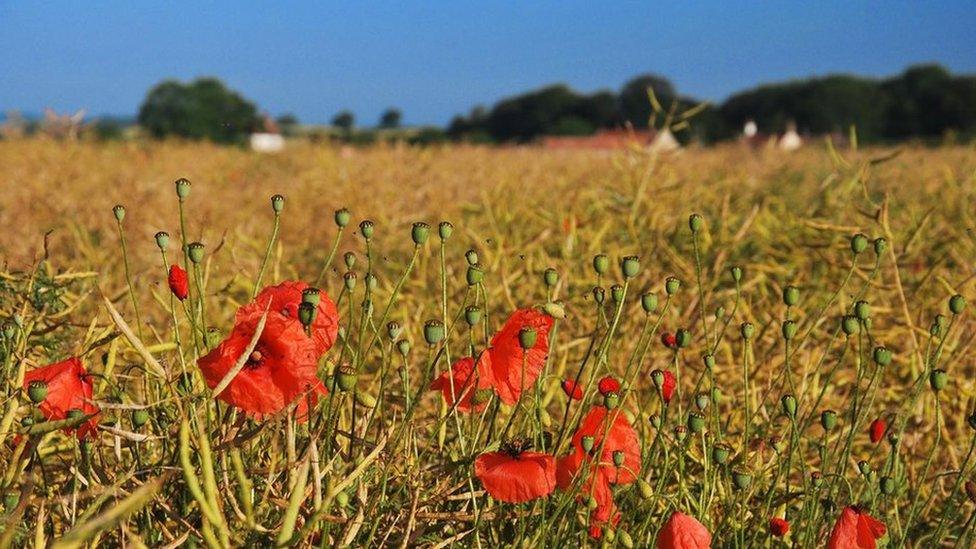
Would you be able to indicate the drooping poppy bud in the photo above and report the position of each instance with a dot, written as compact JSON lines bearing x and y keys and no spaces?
{"x":607,"y":385}
{"x":877,"y":430}
{"x":178,"y":281}
{"x":778,"y":526}
{"x":572,"y":389}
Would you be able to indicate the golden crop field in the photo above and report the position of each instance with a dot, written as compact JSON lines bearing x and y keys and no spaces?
{"x":813,"y":281}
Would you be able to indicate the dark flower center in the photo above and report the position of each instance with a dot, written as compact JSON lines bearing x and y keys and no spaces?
{"x":255,"y":359}
{"x":516,"y":446}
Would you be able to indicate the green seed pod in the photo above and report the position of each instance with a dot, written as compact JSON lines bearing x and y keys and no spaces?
{"x":346,"y":378}
{"x":828,"y":419}
{"x":393,"y":329}
{"x":721,"y":453}
{"x":617,"y":293}
{"x":880,"y":245}
{"x":349,"y":258}
{"x":182,"y":188}
{"x":887,"y":485}
{"x":657,"y":376}
{"x":789,"y":330}
{"x":672,"y":285}
{"x":195,"y":251}
{"x":277,"y":204}
{"x":140,"y":417}
{"x":472,"y":315}
{"x":371,"y":281}
{"x":882,"y":356}
{"x":695,"y":222}
{"x":611,"y":401}
{"x":682,"y":337}
{"x":630,"y":266}
{"x":719,"y":312}
{"x":307,"y":313}
{"x":646,"y":491}
{"x":433,"y":332}
{"x":791,"y":295}
{"x":9,"y":329}
{"x":599,"y":294}
{"x":696,"y":422}
{"x":527,"y":337}
{"x":162,"y":240}
{"x":312,"y":295}
{"x":37,"y":391}
{"x":550,"y":277}
{"x":680,"y":433}
{"x":741,"y":480}
{"x":624,"y":538}
{"x":736,"y":273}
{"x":74,"y":413}
{"x":555,"y":310}
{"x":649,"y":302}
{"x":788,"y":403}
{"x":859,"y":243}
{"x":956,"y":304}
{"x":618,"y":458}
{"x":864,"y":467}
{"x":601,"y":264}
{"x":366,"y":228}
{"x":471,"y":256}
{"x":445,"y":229}
{"x":850,"y":325}
{"x":475,"y":275}
{"x":419,"y":233}
{"x":27,"y":421}
{"x":587,"y":442}
{"x":938,"y":379}
{"x":403,"y":347}
{"x":342,"y":498}
{"x":592,"y":503}
{"x":10,"y":501}
{"x":935,"y":330}
{"x":342,"y":217}
{"x":655,"y":421}
{"x":862,"y":310}
{"x":349,"y":280}
{"x":119,"y":212}
{"x":747,"y":330}
{"x":702,"y":401}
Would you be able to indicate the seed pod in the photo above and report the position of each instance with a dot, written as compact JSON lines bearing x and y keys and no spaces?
{"x":630,"y":266}
{"x":617,"y":293}
{"x":195,"y":251}
{"x":527,"y":337}
{"x":882,"y":356}
{"x":788,"y":403}
{"x":956,"y":304}
{"x":366,"y":228}
{"x":624,"y":538}
{"x":10,"y":501}
{"x":342,"y":217}
{"x":365,"y":399}
{"x":162,"y":240}
{"x":828,"y":419}
{"x":119,"y":212}
{"x":393,"y":329}
{"x":471,"y":256}
{"x":655,"y":421}
{"x":601,"y":264}
{"x":599,"y":294}
{"x":864,"y":467}
{"x":419,"y":233}
{"x":938,"y":379}
{"x":709,"y":361}
{"x":550,"y":277}
{"x":342,"y":498}
{"x":680,"y":433}
{"x":859,"y":243}
{"x":791,"y":295}
{"x":789,"y":330}
{"x":306,"y":313}
{"x":277,"y":204}
{"x":312,"y":295}
{"x":37,"y":391}
{"x":887,"y":485}
{"x":682,"y":338}
{"x":433,"y":332}
{"x":346,"y":377}
{"x":349,"y":258}
{"x":349,"y":280}
{"x":695,"y":222}
{"x":140,"y":417}
{"x":747,"y":330}
{"x":587,"y":443}
{"x":702,"y":401}
{"x":721,"y":453}
{"x":618,"y":458}
{"x":472,"y":315}
{"x":862,"y":310}
{"x":475,"y":275}
{"x":445,"y":229}
{"x":719,"y":312}
{"x":182,"y":188}
{"x":880,"y":245}
{"x":403,"y":347}
{"x":554,"y":309}
{"x":672,"y":285}
{"x":850,"y":325}
{"x":649,"y":302}
{"x":736,"y":273}
{"x":741,"y":480}
{"x":611,"y":401}
{"x":696,"y":422}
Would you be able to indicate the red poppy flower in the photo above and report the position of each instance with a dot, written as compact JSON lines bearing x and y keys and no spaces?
{"x":466,"y":381}
{"x":855,"y":529}
{"x":510,"y":375}
{"x":877,"y":430}
{"x":667,"y":387}
{"x":669,"y":340}
{"x":515,"y":475}
{"x":608,"y":385}
{"x":285,"y":299}
{"x":778,"y":526}
{"x":179,"y":284}
{"x":69,"y":387}
{"x":683,"y":532}
{"x":621,"y":437}
{"x":572,"y":389}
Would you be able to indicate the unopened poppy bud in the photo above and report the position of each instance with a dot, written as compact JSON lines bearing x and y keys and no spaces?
{"x":475,"y":275}
{"x":445,"y":229}
{"x":195,"y":251}
{"x":306,"y":313}
{"x":37,"y":391}
{"x":277,"y":204}
{"x":709,"y":361}
{"x":791,"y":295}
{"x":349,"y":280}
{"x":527,"y":337}
{"x":862,"y":310}
{"x":618,"y":458}
{"x":433,"y":332}
{"x":864,"y":467}
{"x":789,"y":405}
{"x":624,"y":538}
{"x":702,"y":401}
{"x":850,"y":325}
{"x":789,"y":330}
{"x":140,"y":417}
{"x":342,"y":217}
{"x":672,"y":285}
{"x":736,"y":273}
{"x":312,"y":295}
{"x":957,"y":303}
{"x":747,"y":330}
{"x":162,"y":240}
{"x":587,"y":443}
{"x":346,"y":377}
{"x":680,"y":433}
{"x":601,"y":264}
{"x":882,"y":356}
{"x":696,"y":422}
{"x":472,"y":315}
{"x":646,"y":491}
{"x":649,"y":302}
{"x":682,"y":337}
{"x":938,"y":379}
{"x":971,"y":490}
{"x":630,"y":266}
{"x":471,"y":256}
{"x":828,"y":419}
{"x":695,"y":222}
{"x":182,"y":188}
{"x":481,"y":396}
{"x":617,"y":293}
{"x":721,"y":453}
{"x":349,"y":258}
{"x":877,"y":430}
{"x":611,"y":401}
{"x":741,"y":480}
{"x":555,"y":310}
{"x":887,"y":486}
{"x":859,"y":243}
{"x":366,"y":229}
{"x":419,"y":233}
{"x":599,"y":294}
{"x":550,"y":277}
{"x":119,"y":211}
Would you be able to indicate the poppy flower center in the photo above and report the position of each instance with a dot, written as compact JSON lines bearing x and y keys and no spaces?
{"x":255,"y":359}
{"x":516,"y":446}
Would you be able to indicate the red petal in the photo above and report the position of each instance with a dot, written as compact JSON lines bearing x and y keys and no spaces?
{"x":515,"y":480}
{"x":510,"y":374}
{"x":683,"y":532}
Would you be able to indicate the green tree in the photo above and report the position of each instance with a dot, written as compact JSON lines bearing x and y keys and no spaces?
{"x":345,"y":121}
{"x":202,"y":109}
{"x":390,"y":118}
{"x":635,"y":104}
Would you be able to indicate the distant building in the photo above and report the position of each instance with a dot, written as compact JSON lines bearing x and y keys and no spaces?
{"x":790,"y":141}
{"x":270,"y":139}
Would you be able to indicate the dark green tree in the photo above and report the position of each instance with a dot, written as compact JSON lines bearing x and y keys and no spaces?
{"x":345,"y":121}
{"x":390,"y":118}
{"x":202,"y":109}
{"x":635,"y":104}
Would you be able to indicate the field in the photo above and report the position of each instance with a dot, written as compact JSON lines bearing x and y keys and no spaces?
{"x":764,"y":311}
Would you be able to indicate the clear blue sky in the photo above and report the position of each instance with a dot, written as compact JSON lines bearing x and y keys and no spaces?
{"x":438,"y":58}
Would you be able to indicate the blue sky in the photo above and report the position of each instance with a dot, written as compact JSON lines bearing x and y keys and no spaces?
{"x":437,"y":59}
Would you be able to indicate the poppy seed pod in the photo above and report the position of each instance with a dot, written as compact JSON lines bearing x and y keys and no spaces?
{"x":654,"y":420}
{"x":938,"y":379}
{"x":587,"y":442}
{"x":747,"y":330}
{"x":828,"y":419}
{"x":672,"y":285}
{"x":419,"y":233}
{"x":862,"y":310}
{"x":624,"y":538}
{"x":709,"y":361}
{"x":403,"y":347}
{"x":721,"y":453}
{"x":816,"y":479}
{"x":791,"y":295}
{"x":393,"y":329}
{"x":695,"y":222}
{"x":182,"y":188}
{"x":366,"y":228}
{"x":37,"y":391}
{"x":887,"y":485}
{"x":788,"y":403}
{"x":611,"y":401}
{"x":119,"y":211}
{"x":859,"y":243}
{"x":433,"y":332}
{"x":864,"y":467}
{"x":371,"y":281}
{"x":307,"y":313}
{"x":445,"y":229}
{"x":342,"y":217}
{"x":646,"y":491}
{"x":680,"y":433}
{"x":312,"y":295}
{"x":195,"y":251}
{"x":277,"y":204}
{"x":741,"y":480}
{"x":702,"y":400}
{"x":349,"y":258}
{"x":880,"y":245}
{"x":789,"y":330}
{"x":601,"y":264}
{"x":599,"y":295}
{"x":630,"y":266}
{"x":140,"y":417}
{"x":8,"y":330}
{"x":882,"y":356}
{"x":682,"y":337}
{"x":649,"y":302}
{"x":346,"y":378}
{"x":471,"y":257}
{"x":696,"y":422}
{"x":349,"y":280}
{"x":849,"y":325}
{"x":719,"y":312}
{"x":472,"y":315}
{"x":617,"y":293}
{"x":956,"y":304}
{"x":618,"y":458}
{"x":475,"y":275}
{"x":658,"y":377}
{"x":736,"y":273}
{"x":527,"y":337}
{"x":550,"y":277}
{"x":162,"y":240}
